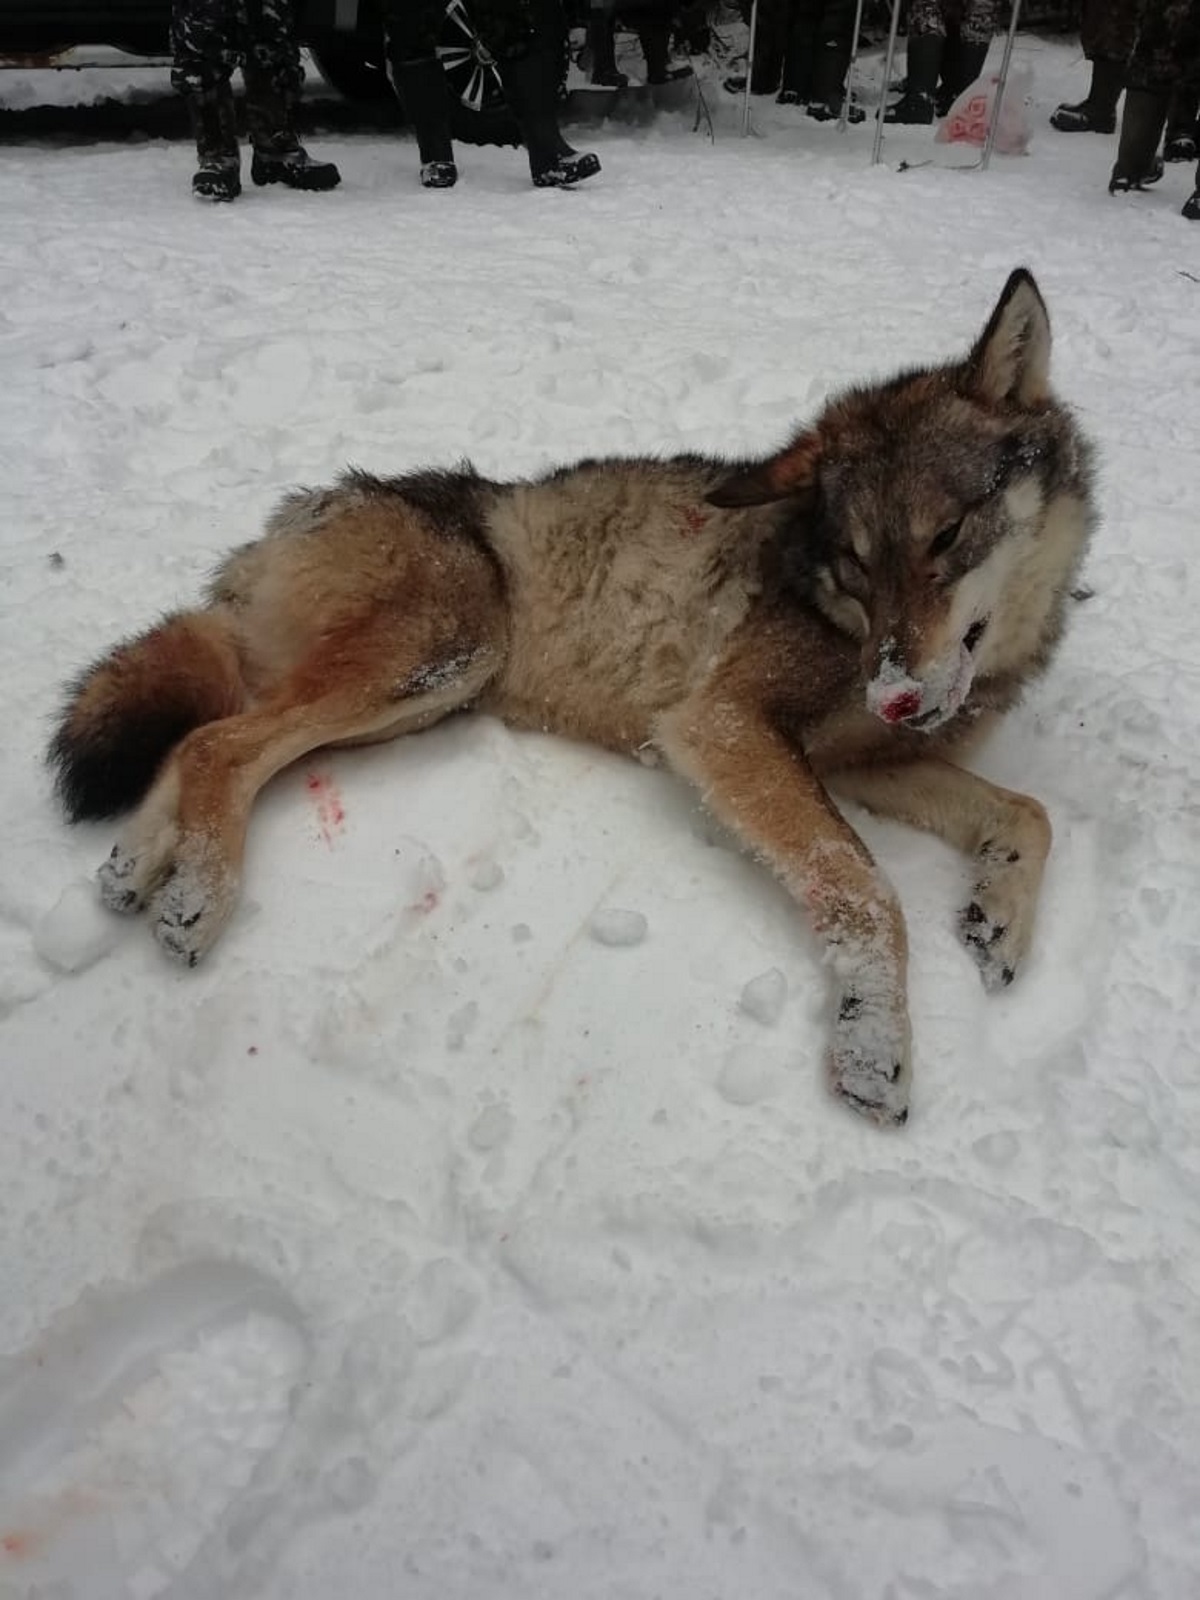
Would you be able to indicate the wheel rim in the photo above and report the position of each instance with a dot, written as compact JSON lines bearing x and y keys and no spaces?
{"x":469,"y":66}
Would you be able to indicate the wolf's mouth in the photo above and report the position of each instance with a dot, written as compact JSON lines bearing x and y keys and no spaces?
{"x":928,"y":718}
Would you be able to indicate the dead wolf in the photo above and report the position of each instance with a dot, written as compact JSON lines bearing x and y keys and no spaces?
{"x":845,"y":614}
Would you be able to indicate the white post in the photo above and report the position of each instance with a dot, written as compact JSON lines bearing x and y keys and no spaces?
{"x":749,"y":67}
{"x":887,"y":78}
{"x":994,"y":121}
{"x":845,"y":116}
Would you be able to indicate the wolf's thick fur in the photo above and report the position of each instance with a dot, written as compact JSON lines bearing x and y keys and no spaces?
{"x":845,"y":612}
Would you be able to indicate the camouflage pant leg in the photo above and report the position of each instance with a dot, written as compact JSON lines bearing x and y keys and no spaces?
{"x":979,"y":21}
{"x":1108,"y":28}
{"x":972,"y":21}
{"x":273,"y":73}
{"x":1167,"y":53}
{"x":272,"y":53}
{"x":926,"y":17}
{"x":207,"y":42}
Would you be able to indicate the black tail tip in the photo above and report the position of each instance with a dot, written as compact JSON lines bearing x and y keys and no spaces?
{"x":104,"y":769}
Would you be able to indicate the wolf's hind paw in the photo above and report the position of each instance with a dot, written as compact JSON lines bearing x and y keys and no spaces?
{"x":119,"y":889}
{"x":193,"y":905}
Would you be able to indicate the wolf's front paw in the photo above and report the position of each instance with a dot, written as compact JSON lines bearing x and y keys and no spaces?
{"x":996,"y":927}
{"x":870,"y":1064}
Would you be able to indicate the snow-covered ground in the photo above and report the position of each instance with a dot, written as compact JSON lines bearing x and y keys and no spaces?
{"x":453,"y":1233}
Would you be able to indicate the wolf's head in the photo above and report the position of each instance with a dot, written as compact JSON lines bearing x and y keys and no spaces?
{"x":920,"y":507}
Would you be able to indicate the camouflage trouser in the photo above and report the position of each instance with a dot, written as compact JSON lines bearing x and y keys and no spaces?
{"x":415,"y":27}
{"x":972,"y":21}
{"x":1108,"y":28}
{"x":1167,"y":53}
{"x":209,"y":39}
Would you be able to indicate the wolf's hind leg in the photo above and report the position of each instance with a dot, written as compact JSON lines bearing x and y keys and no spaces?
{"x":183,"y":849}
{"x":756,"y":781}
{"x":1006,"y":834}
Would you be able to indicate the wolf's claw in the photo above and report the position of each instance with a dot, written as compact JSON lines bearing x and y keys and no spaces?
{"x":870,"y":1065}
{"x":995,"y":945}
{"x":116,"y":890}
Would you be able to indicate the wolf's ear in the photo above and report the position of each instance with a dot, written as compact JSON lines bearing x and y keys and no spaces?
{"x":791,"y":471}
{"x":1011,"y":362}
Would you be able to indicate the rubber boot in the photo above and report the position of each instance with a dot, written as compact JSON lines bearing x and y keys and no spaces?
{"x":218,"y":156}
{"x":829,"y":84}
{"x":961,"y":66}
{"x":279,"y":157}
{"x":1097,"y":111}
{"x":925,"y":53}
{"x":421,"y":86}
{"x":531,"y":87}
{"x":1138,"y":162}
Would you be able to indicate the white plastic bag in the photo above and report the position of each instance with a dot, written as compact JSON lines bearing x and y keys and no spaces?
{"x":967,"y":120}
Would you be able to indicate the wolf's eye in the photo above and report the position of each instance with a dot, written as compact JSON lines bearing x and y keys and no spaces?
{"x":851,"y":571}
{"x":943,"y":541}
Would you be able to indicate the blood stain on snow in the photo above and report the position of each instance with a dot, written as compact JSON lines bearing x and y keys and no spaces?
{"x":325,"y":795}
{"x":17,"y":1545}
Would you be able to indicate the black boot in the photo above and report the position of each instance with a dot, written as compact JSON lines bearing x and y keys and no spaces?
{"x":925,"y":52}
{"x":421,"y":86}
{"x":279,"y":157}
{"x":1097,"y":112}
{"x":531,"y":85}
{"x":218,"y":158}
{"x":961,"y":65}
{"x":293,"y":167}
{"x":1191,"y":206}
{"x":1138,"y":162}
{"x":829,"y":84}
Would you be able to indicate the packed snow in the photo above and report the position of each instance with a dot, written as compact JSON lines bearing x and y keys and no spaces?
{"x":440,"y":1235}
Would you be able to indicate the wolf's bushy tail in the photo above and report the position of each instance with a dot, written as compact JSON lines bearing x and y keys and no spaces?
{"x":128,"y":711}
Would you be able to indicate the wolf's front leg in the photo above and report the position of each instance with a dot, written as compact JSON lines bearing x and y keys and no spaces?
{"x":758,"y":783}
{"x":1006,"y":834}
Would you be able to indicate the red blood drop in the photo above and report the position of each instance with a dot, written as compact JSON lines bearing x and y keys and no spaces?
{"x":903,"y":705}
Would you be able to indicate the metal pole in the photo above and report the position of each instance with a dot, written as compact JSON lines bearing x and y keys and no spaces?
{"x":845,"y":116}
{"x":887,"y":78}
{"x":749,"y":67}
{"x":994,"y":121}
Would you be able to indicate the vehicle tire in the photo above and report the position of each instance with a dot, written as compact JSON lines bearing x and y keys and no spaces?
{"x":479,"y":113}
